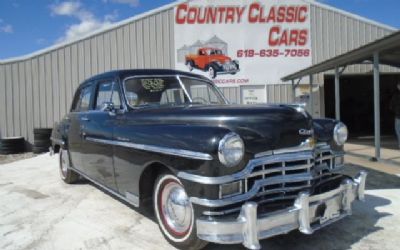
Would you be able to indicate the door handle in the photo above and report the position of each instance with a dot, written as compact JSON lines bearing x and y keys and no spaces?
{"x":85,"y":119}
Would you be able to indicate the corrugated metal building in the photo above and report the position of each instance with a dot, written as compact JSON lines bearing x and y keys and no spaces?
{"x":36,"y":90}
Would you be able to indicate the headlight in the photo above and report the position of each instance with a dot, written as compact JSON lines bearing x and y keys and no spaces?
{"x":230,"y":150}
{"x":340,"y":133}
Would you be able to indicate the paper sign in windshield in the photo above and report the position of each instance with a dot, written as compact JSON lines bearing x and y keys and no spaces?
{"x":153,"y":85}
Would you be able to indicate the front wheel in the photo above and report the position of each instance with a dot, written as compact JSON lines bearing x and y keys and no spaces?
{"x":67,"y":175}
{"x":190,"y":65}
{"x":175,"y":214}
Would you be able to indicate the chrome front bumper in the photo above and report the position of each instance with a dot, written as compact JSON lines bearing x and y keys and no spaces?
{"x":308,"y":213}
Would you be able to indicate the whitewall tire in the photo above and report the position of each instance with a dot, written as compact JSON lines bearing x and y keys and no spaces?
{"x":175,"y":214}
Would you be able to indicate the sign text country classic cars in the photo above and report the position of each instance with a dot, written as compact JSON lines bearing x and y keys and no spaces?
{"x":243,"y":42}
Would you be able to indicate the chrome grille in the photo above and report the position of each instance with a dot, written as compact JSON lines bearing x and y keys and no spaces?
{"x":283,"y":176}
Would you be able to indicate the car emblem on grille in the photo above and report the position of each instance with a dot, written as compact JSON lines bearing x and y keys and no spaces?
{"x":306,"y":131}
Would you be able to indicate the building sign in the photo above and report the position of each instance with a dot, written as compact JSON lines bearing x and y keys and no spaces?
{"x":253,"y":94}
{"x":238,"y":42}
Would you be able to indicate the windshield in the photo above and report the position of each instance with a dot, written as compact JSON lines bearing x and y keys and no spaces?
{"x":216,"y":52}
{"x":167,"y":90}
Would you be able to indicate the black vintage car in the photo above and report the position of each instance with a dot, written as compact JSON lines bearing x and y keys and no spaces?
{"x":213,"y":172}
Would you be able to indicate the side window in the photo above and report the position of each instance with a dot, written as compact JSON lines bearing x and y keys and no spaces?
{"x":107,"y":91}
{"x":84,"y":100}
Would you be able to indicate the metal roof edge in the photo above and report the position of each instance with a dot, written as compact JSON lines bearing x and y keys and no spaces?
{"x":349,"y":14}
{"x":92,"y":34}
{"x":160,"y":9}
{"x":347,"y":58}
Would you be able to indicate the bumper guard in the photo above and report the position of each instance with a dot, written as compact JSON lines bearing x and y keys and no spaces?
{"x":308,"y":214}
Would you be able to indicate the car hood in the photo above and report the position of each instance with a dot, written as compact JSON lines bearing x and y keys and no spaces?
{"x":262,"y":127}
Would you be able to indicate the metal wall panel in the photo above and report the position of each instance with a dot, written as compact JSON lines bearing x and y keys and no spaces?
{"x":100,"y":53}
{"x":93,"y":54}
{"x":3,"y":114}
{"x":334,"y":33}
{"x":68,"y":78}
{"x":29,"y":100}
{"x":35,"y":92}
{"x":120,"y":48}
{"x":42,"y":92}
{"x":51,"y":72}
{"x":16,"y":99}
{"x":62,"y":85}
{"x":232,"y":94}
{"x":22,"y":100}
{"x":114,"y":51}
{"x":9,"y":101}
{"x":126,"y":52}
{"x":87,"y":59}
{"x":133,"y":42}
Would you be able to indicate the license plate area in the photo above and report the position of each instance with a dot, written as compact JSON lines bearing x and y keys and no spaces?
{"x":328,"y":210}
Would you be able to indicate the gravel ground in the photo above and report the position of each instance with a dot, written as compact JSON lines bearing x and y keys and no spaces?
{"x":39,"y":211}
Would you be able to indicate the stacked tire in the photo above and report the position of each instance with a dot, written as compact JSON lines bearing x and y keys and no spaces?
{"x":12,"y":145}
{"x":41,"y":140}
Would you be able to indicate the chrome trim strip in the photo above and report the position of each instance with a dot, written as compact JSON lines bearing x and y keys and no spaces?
{"x":184,"y":88}
{"x":252,"y":192}
{"x":157,"y":149}
{"x":58,"y":141}
{"x":246,"y":171}
{"x":304,"y":146}
{"x":132,"y":199}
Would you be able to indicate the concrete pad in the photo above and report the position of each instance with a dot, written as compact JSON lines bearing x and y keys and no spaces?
{"x":39,"y":211}
{"x":388,"y":156}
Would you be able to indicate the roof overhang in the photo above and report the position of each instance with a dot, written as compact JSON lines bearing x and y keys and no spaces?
{"x":388,"y":48}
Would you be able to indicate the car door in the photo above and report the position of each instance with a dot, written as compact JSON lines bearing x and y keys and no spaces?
{"x":80,"y":106}
{"x":97,"y":143}
{"x":203,"y":59}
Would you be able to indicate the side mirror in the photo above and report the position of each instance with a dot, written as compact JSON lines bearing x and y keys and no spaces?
{"x":108,"y":107}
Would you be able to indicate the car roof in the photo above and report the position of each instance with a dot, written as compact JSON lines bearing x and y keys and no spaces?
{"x":123,"y":73}
{"x":211,"y":48}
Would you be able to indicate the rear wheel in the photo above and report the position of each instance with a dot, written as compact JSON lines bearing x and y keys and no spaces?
{"x":175,"y":214}
{"x":67,"y":175}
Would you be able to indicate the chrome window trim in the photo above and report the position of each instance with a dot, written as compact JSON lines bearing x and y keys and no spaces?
{"x":210,"y":83}
{"x":184,"y":88}
{"x":157,"y":149}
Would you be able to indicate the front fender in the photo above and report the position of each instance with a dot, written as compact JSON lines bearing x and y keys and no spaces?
{"x":323,"y":131}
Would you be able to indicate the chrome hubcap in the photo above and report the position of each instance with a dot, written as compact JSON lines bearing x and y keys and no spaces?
{"x":176,"y":208}
{"x":64,"y":162}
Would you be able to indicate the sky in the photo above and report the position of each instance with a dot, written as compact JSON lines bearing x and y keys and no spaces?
{"x":30,"y":25}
